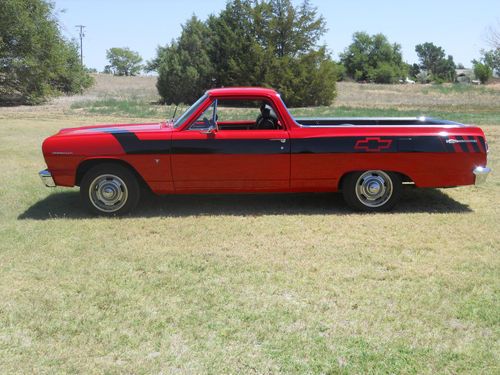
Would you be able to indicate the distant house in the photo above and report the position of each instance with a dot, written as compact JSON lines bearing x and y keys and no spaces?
{"x":464,"y":75}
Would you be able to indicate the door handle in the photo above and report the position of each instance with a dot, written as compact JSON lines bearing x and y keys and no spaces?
{"x":282,"y":140}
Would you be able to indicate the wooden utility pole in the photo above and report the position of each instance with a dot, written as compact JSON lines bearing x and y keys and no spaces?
{"x":82,"y":34}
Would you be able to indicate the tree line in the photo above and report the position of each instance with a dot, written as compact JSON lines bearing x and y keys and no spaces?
{"x":270,"y":43}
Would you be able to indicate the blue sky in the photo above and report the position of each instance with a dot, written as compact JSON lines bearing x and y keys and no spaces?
{"x":458,"y":27}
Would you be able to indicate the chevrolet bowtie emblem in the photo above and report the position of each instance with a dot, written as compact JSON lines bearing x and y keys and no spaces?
{"x":372,"y":144}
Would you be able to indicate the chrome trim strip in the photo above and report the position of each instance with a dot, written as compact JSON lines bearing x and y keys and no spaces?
{"x":481,"y":174}
{"x":46,"y":178}
{"x":364,"y":118}
{"x":382,"y":126}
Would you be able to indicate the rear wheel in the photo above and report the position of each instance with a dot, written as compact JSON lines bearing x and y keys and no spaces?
{"x":372,"y":191}
{"x":109,"y":189}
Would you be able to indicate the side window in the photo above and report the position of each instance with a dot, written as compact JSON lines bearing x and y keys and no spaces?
{"x":247,"y":114}
{"x":207,"y":119}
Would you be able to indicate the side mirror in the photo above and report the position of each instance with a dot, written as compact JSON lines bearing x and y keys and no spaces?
{"x":210,"y":130}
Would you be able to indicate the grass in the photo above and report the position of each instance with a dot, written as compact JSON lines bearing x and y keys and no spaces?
{"x":460,"y":89}
{"x":123,"y":107}
{"x":244,"y":283}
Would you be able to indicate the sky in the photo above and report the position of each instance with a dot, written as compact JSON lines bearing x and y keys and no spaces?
{"x":458,"y":27}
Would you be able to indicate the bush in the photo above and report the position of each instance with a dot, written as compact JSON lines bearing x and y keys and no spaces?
{"x":482,"y":72}
{"x":373,"y":58}
{"x":384,"y":73}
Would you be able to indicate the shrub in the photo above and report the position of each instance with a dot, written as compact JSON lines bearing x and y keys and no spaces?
{"x":482,"y":72}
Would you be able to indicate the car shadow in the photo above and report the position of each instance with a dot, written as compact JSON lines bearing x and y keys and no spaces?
{"x":62,"y":205}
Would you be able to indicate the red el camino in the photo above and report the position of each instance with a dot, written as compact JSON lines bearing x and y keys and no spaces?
{"x":236,"y":140}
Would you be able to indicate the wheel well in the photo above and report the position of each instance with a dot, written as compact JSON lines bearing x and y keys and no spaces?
{"x":86,"y":165}
{"x":404,"y":178}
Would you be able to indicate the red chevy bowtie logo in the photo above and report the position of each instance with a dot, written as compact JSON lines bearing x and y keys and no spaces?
{"x":372,"y":144}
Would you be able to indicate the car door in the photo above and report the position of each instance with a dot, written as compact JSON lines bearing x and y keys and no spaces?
{"x":233,"y":158}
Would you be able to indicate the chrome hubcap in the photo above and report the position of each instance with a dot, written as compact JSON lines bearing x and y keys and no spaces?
{"x":374,"y":188}
{"x":108,"y":193}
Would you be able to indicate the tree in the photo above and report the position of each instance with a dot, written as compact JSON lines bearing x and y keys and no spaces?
{"x":433,"y":59}
{"x":373,"y":58}
{"x":123,"y":62}
{"x":184,"y":67}
{"x":35,"y":60}
{"x":482,"y":72}
{"x":491,"y":59}
{"x":287,"y":30}
{"x":249,"y":43}
{"x":414,"y":71}
{"x":238,"y":59}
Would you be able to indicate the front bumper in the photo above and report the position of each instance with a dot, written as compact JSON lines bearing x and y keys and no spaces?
{"x":46,"y":177}
{"x":481,"y":174}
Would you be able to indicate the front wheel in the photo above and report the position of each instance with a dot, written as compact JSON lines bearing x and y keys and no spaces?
{"x":110,"y":190}
{"x":372,"y":191}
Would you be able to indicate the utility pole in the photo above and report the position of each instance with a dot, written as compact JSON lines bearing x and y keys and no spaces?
{"x":82,"y":34}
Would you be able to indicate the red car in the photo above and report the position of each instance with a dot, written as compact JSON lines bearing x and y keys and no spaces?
{"x":236,"y":140}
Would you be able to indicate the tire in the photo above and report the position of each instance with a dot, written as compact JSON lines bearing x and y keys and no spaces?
{"x":109,"y":189}
{"x":372,"y":191}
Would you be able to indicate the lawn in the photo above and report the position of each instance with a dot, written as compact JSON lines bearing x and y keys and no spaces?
{"x":247,"y":283}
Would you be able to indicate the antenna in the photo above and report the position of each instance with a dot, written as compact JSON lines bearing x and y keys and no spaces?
{"x":82,"y":34}
{"x":175,"y":111}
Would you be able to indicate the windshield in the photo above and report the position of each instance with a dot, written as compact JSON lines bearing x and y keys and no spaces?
{"x":189,"y":111}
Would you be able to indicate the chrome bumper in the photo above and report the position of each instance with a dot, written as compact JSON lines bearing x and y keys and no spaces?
{"x":481,"y":174}
{"x":47,"y":178}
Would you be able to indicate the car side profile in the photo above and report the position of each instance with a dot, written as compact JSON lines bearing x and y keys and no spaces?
{"x":244,"y":140}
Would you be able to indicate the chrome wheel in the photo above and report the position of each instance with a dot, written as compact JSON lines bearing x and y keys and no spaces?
{"x":108,"y":193}
{"x":374,"y":188}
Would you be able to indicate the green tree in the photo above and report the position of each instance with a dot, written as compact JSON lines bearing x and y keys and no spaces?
{"x":35,"y":60}
{"x":184,"y":67}
{"x":414,"y":71}
{"x":123,"y":61}
{"x":373,"y":58}
{"x":482,"y":72}
{"x":287,"y":30}
{"x":492,"y":59}
{"x":237,"y":58}
{"x":433,"y":59}
{"x":249,"y":43}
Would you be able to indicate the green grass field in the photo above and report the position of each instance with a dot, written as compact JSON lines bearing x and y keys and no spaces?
{"x":230,"y":284}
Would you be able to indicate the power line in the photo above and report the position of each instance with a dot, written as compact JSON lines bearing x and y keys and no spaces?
{"x":82,"y":34}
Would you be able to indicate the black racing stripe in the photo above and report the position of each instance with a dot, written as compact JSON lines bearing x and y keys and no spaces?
{"x":133,"y":145}
{"x":323,"y":145}
{"x":370,"y":144}
{"x":462,"y":145}
{"x":474,"y":144}
{"x":448,"y":146}
{"x":230,"y":146}
{"x":326,"y":145}
{"x":483,"y":143}
{"x":424,"y":144}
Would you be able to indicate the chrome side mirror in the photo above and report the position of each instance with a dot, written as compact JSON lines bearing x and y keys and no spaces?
{"x":210,"y":130}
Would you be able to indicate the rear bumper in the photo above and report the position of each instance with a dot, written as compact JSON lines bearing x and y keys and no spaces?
{"x":46,"y":177}
{"x":481,"y":173}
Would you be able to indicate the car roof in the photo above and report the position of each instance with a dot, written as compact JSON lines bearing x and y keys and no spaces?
{"x":239,"y":91}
